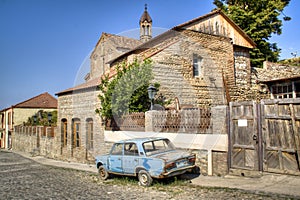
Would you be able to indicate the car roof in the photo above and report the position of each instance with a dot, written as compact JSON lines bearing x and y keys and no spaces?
{"x":141,"y":140}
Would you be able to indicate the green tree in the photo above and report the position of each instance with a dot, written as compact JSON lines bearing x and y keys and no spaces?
{"x":259,"y":19}
{"x":127,"y":91}
{"x":41,"y":119}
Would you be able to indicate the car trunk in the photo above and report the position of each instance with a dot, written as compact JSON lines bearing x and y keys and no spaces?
{"x":172,"y":155}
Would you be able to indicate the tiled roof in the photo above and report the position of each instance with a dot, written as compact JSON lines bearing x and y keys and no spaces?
{"x":123,"y":42}
{"x":173,"y":31}
{"x":276,"y":72}
{"x":145,"y":16}
{"x":89,"y":84}
{"x":44,"y":100}
{"x":120,"y":41}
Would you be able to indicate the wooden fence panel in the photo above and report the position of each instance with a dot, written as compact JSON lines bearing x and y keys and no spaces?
{"x":280,"y":129}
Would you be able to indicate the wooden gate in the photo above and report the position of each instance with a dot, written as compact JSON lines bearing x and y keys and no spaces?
{"x":244,"y":136}
{"x":265,"y":136}
{"x":281,"y":133}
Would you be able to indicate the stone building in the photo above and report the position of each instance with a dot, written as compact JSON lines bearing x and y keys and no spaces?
{"x":19,"y":113}
{"x":201,"y":63}
{"x":276,"y":81}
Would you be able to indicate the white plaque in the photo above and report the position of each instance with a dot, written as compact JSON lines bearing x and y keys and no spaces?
{"x":242,"y":122}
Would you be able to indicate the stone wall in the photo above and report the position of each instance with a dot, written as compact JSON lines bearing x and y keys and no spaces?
{"x":37,"y":140}
{"x":242,"y":66}
{"x":219,"y":163}
{"x":261,"y":79}
{"x":109,"y":47}
{"x":173,"y":68}
{"x":80,"y":106}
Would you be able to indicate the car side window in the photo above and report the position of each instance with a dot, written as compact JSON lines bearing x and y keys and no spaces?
{"x":117,"y":149}
{"x":130,"y":149}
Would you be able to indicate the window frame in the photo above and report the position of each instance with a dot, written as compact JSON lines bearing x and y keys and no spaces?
{"x":286,"y":90}
{"x":64,"y":132}
{"x":76,"y":133}
{"x":90,"y":134}
{"x":197,"y":66}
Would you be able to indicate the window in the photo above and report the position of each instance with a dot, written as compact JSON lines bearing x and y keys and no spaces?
{"x":8,"y":118}
{"x":64,"y":132}
{"x":90,"y":134}
{"x":217,"y":28}
{"x":117,"y":149}
{"x":297,"y":89}
{"x":130,"y":149}
{"x":76,"y":133}
{"x":157,"y":146}
{"x":282,"y":91}
{"x":197,"y":62}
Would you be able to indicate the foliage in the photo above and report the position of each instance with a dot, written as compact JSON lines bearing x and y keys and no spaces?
{"x":291,"y":61}
{"x":127,"y":91}
{"x":41,"y":119}
{"x":259,"y":19}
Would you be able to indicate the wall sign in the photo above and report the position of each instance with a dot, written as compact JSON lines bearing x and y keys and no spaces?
{"x":242,"y":122}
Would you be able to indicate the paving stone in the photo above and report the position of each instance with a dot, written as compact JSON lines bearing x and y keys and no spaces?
{"x":23,"y":178}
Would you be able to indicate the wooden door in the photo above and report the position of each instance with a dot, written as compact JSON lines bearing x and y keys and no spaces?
{"x":244,"y":137}
{"x":281,"y":133}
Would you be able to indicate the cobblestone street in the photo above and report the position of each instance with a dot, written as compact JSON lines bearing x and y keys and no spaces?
{"x":22,"y":178}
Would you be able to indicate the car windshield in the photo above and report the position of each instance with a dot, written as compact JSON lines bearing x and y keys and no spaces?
{"x":157,"y":146}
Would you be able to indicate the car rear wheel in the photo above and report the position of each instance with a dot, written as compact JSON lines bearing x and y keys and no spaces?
{"x":144,"y":178}
{"x":103,"y":174}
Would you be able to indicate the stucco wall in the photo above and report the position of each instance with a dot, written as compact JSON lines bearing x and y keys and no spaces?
{"x":22,"y":114}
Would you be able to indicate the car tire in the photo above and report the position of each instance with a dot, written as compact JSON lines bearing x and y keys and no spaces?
{"x":144,"y":178}
{"x":103,"y":174}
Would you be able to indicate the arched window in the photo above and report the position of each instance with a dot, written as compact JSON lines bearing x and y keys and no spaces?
{"x":143,"y":30}
{"x":64,"y":132}
{"x":147,"y":30}
{"x":89,"y":134}
{"x":76,"y":132}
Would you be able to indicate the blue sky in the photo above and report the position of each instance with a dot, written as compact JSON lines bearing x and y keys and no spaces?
{"x":44,"y":44}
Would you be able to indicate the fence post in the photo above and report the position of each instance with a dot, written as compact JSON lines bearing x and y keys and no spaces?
{"x":149,"y":125}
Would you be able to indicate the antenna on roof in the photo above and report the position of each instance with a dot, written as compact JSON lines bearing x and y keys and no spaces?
{"x":294,"y":54}
{"x":146,"y":6}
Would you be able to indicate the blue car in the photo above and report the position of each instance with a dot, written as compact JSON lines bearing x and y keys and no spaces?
{"x":146,"y":158}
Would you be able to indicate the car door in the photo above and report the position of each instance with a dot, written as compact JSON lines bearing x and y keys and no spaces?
{"x":115,"y":158}
{"x":130,"y":158}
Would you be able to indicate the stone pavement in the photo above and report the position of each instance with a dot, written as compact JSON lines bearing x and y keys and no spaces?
{"x":269,"y":183}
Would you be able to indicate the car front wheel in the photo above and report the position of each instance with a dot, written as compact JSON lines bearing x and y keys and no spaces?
{"x":103,"y":173}
{"x":144,"y":178}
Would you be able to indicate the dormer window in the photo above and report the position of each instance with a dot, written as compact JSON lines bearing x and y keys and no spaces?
{"x":197,"y":65}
